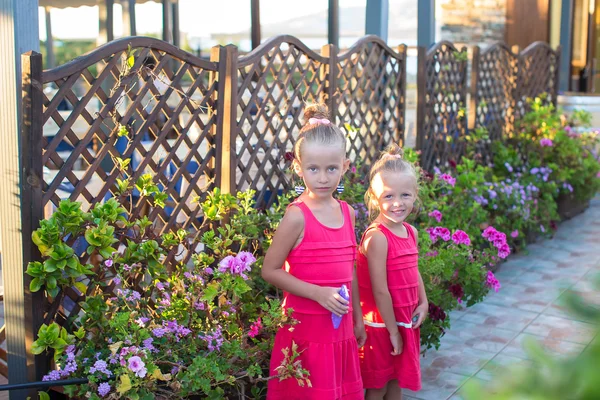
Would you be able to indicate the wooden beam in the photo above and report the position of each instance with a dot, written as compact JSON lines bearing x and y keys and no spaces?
{"x":175,"y":18}
{"x":18,"y":33}
{"x":129,"y":18}
{"x":333,"y":25}
{"x":377,"y":16}
{"x":425,"y":23}
{"x":566,"y":44}
{"x":255,"y":23}
{"x":166,"y":14}
{"x":49,"y":39}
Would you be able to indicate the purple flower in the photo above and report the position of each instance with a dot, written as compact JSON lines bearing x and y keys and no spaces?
{"x":542,"y":228}
{"x":461,"y":237}
{"x":546,"y":142}
{"x":52,"y":376}
{"x":214,"y":339}
{"x":514,"y":233}
{"x":108,"y":263}
{"x":126,"y":267}
{"x":142,"y":321}
{"x":147,"y":344}
{"x":198,"y":305}
{"x":159,"y":332}
{"x":209,"y":270}
{"x":103,"y":389}
{"x":117,"y":280}
{"x":508,"y":167}
{"x":436,"y":214}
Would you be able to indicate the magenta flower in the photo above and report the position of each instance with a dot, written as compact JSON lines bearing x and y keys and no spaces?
{"x":444,"y":233}
{"x":255,"y":328}
{"x":108,"y":263}
{"x":492,"y":282}
{"x":461,"y":237}
{"x":436,"y":214}
{"x":449,"y":179}
{"x":353,"y":169}
{"x":546,"y":142}
{"x":514,"y":233}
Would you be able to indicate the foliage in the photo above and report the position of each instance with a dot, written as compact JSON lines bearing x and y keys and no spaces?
{"x":143,"y":332}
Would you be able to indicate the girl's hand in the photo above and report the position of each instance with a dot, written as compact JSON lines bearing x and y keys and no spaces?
{"x":422,"y":311}
{"x":331,"y":300}
{"x":360,"y":333}
{"x":397,"y":343}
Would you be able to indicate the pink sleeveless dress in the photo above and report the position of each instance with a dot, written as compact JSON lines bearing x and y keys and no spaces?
{"x":378,"y":365}
{"x":324,"y":257}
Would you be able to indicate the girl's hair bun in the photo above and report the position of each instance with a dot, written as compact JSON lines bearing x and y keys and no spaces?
{"x":394,"y":150}
{"x":316,"y":110}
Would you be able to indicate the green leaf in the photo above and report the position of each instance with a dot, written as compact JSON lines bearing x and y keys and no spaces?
{"x":36,"y":348}
{"x":81,"y":287}
{"x":53,"y":332}
{"x":53,"y":292}
{"x":130,"y":61}
{"x":79,"y":333}
{"x":44,"y":396}
{"x":35,"y":284}
{"x":51,"y":282}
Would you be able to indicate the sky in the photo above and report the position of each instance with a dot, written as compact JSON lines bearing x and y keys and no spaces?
{"x":197,"y":17}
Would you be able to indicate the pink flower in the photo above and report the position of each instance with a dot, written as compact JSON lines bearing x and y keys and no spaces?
{"x":449,"y":179}
{"x":432,"y":234}
{"x":444,"y":233}
{"x":353,"y":169}
{"x":436,"y":214}
{"x":514,"y":233}
{"x":492,"y":282}
{"x":490,"y":230}
{"x":461,"y":237}
{"x":546,"y":142}
{"x":255,"y":328}
{"x":504,"y":251}
{"x":136,"y":365}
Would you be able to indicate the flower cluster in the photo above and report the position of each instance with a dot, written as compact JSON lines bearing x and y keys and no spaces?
{"x":436,"y":214}
{"x":546,"y":142}
{"x":461,"y":237}
{"x":448,"y":179}
{"x":237,"y":265}
{"x":436,"y":313}
{"x":69,"y":368}
{"x":255,"y":328}
{"x":173,"y":328}
{"x":492,"y":282}
{"x":437,"y":233}
{"x":498,"y":239}
{"x":213,"y":339}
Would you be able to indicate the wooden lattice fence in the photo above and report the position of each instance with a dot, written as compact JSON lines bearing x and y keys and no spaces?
{"x":189,"y":125}
{"x":442,"y":100}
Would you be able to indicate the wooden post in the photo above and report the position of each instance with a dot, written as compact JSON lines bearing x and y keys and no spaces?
{"x":105,"y":21}
{"x":31,"y":198}
{"x":327,"y":76}
{"x":175,"y":19}
{"x":401,"y":137}
{"x":566,"y":43}
{"x":557,"y":77}
{"x":425,"y":23}
{"x":255,"y":23}
{"x":18,"y":33}
{"x":166,"y":17}
{"x":377,"y":16}
{"x":129,"y":28}
{"x":226,"y":127}
{"x":49,"y":38}
{"x":333,"y":25}
{"x":421,"y":87}
{"x":473,"y":98}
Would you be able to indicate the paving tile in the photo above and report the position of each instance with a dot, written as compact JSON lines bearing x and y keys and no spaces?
{"x":488,"y":338}
{"x":458,"y":359}
{"x":437,"y":385}
{"x":499,"y":316}
{"x":554,"y":347}
{"x":502,"y":364}
{"x":562,"y":329}
{"x":524,"y":297}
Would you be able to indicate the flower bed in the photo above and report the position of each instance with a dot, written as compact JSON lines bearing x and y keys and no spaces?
{"x":207,"y":328}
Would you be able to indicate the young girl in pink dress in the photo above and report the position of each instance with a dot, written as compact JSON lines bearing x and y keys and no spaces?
{"x":311,"y":257}
{"x":392,"y":294}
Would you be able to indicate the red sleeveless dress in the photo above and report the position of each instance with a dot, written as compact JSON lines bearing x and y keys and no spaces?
{"x":324,"y":257}
{"x":378,"y":365}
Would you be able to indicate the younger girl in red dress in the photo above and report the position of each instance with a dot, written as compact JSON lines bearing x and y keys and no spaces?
{"x":312,"y":256}
{"x":392,"y":294}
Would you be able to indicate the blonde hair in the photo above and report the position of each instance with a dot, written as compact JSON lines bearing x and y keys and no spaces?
{"x":391,"y":160}
{"x":319,"y":132}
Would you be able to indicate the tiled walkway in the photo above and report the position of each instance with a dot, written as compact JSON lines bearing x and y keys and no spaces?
{"x":488,"y":336}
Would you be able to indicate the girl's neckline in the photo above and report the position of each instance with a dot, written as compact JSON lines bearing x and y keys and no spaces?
{"x":394,"y":234}
{"x":322,"y":224}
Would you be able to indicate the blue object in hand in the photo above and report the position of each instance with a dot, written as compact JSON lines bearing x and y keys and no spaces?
{"x":337,"y":320}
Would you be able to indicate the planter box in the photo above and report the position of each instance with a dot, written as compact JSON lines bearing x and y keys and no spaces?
{"x":569,"y":206}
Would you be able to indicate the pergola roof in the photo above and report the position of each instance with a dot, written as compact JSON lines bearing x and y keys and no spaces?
{"x":79,"y":3}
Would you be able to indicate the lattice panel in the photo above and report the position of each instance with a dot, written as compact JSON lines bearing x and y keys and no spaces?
{"x":538,"y":74}
{"x":273,"y":85}
{"x":444,"y":113}
{"x":370,"y":97}
{"x":497,"y":70}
